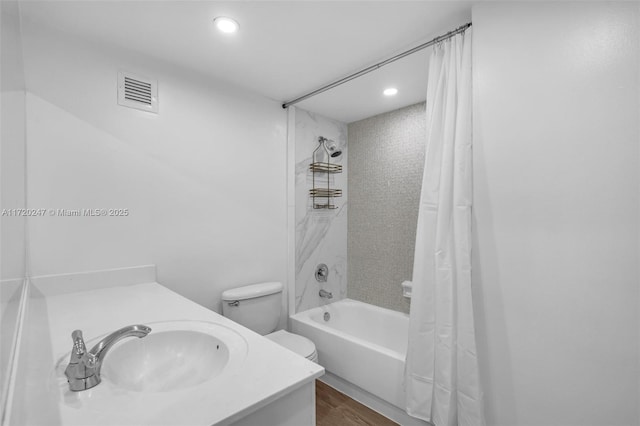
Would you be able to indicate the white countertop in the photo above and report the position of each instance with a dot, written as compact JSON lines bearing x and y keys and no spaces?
{"x":268,"y":372}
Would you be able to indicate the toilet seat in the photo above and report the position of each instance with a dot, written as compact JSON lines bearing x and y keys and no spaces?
{"x":295,"y":343}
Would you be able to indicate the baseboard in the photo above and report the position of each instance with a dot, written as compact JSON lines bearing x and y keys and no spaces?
{"x":376,"y":404}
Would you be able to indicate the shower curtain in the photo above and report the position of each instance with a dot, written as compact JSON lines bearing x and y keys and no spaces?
{"x":441,"y":370}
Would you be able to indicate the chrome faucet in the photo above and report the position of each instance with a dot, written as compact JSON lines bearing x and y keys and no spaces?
{"x":326,"y":294}
{"x":83,"y":370}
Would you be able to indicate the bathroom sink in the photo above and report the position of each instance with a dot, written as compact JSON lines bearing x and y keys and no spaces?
{"x":175,"y":355}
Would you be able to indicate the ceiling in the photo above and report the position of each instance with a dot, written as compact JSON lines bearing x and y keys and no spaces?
{"x":283,"y":50}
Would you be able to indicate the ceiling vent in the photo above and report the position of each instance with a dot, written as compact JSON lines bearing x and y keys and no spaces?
{"x":137,"y":92}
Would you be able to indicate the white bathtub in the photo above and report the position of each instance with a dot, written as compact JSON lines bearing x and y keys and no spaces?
{"x":363,"y":344}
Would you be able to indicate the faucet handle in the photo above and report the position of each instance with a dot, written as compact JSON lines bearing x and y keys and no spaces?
{"x":80,"y":371}
{"x":322,"y":273}
{"x":79,"y":352}
{"x":79,"y":347}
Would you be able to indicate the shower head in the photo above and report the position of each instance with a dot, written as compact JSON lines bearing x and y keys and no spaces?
{"x":331,"y":146}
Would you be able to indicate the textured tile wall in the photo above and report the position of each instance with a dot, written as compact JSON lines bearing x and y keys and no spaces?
{"x":386,"y":160}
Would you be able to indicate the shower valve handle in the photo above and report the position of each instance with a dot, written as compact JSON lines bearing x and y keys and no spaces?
{"x":322,"y":272}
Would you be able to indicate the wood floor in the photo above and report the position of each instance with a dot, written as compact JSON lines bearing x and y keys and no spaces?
{"x":337,"y":409}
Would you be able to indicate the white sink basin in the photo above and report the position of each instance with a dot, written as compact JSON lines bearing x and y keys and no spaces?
{"x":175,"y":355}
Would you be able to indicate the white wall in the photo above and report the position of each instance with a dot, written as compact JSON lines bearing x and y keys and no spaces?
{"x":204,"y":180}
{"x":12,"y":149}
{"x":12,"y":195}
{"x":556,"y":211}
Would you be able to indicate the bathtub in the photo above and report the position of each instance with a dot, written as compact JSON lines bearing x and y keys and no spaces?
{"x":363,"y":344}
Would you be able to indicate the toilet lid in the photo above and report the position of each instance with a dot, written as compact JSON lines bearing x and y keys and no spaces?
{"x":294,"y":342}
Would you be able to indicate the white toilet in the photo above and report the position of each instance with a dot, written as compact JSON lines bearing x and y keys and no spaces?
{"x":257,"y":307}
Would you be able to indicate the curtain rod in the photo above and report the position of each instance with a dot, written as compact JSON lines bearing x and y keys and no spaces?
{"x":378,"y":65}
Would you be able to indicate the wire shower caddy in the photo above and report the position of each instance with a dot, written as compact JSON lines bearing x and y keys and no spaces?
{"x":322,"y":196}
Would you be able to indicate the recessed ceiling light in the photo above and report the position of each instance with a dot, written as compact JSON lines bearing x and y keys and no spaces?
{"x":226,"y":25}
{"x":390,"y":91}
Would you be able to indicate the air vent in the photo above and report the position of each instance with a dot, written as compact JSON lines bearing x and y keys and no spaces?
{"x":137,"y":92}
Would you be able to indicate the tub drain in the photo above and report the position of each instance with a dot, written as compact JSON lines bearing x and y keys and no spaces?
{"x":327,"y":316}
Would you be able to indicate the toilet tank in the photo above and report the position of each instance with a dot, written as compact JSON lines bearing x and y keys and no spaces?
{"x":255,"y":306}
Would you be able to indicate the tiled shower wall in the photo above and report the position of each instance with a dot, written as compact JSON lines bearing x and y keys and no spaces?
{"x":386,"y":160}
{"x":320,"y":235}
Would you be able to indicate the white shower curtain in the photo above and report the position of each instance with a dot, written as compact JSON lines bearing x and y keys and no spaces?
{"x":441,"y":376}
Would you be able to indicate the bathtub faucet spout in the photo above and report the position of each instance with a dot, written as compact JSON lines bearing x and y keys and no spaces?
{"x":326,"y":294}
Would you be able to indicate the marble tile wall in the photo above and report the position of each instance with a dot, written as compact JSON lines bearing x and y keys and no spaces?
{"x":320,"y":235}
